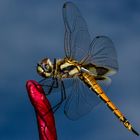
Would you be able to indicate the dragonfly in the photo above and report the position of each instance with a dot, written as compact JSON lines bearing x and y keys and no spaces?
{"x":86,"y":65}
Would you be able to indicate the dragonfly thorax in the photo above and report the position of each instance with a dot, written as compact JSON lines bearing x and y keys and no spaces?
{"x":67,"y":68}
{"x":61,"y":68}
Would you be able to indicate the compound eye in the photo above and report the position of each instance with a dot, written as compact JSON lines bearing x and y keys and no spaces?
{"x":39,"y":69}
{"x":47,"y":68}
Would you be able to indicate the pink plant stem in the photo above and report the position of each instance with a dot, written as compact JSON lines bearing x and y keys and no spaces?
{"x":45,"y":118}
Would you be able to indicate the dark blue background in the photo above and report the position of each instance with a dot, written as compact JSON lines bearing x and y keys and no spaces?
{"x":31,"y":30}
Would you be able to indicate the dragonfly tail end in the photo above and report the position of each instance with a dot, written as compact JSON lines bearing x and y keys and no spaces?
{"x":135,"y":132}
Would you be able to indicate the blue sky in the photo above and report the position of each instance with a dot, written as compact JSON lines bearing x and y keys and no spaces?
{"x":31,"y":30}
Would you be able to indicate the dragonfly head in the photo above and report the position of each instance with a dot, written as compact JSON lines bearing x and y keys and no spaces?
{"x":45,"y":68}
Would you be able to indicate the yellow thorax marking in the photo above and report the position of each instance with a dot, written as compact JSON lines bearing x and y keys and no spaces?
{"x":74,"y":71}
{"x":70,"y":63}
{"x":66,"y":64}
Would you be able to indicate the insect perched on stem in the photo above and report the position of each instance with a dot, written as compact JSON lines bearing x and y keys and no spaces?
{"x":86,"y":64}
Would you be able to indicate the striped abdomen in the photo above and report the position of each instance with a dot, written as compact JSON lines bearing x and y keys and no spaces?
{"x":90,"y":81}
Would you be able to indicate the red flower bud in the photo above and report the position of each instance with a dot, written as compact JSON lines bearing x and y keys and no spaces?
{"x":45,"y":118}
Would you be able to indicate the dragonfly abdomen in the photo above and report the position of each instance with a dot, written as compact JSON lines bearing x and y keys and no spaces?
{"x":90,"y":81}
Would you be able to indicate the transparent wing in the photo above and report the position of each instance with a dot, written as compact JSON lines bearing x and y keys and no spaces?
{"x":103,"y":55}
{"x":80,"y":101}
{"x":53,"y":88}
{"x":77,"y":38}
{"x":100,"y":51}
{"x":54,"y":85}
{"x":101,"y":60}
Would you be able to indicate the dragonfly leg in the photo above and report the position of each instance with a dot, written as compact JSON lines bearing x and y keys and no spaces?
{"x":63,"y":97}
{"x":54,"y":84}
{"x":41,"y":81}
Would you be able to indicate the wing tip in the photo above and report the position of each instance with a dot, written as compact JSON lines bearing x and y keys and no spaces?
{"x":66,"y":3}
